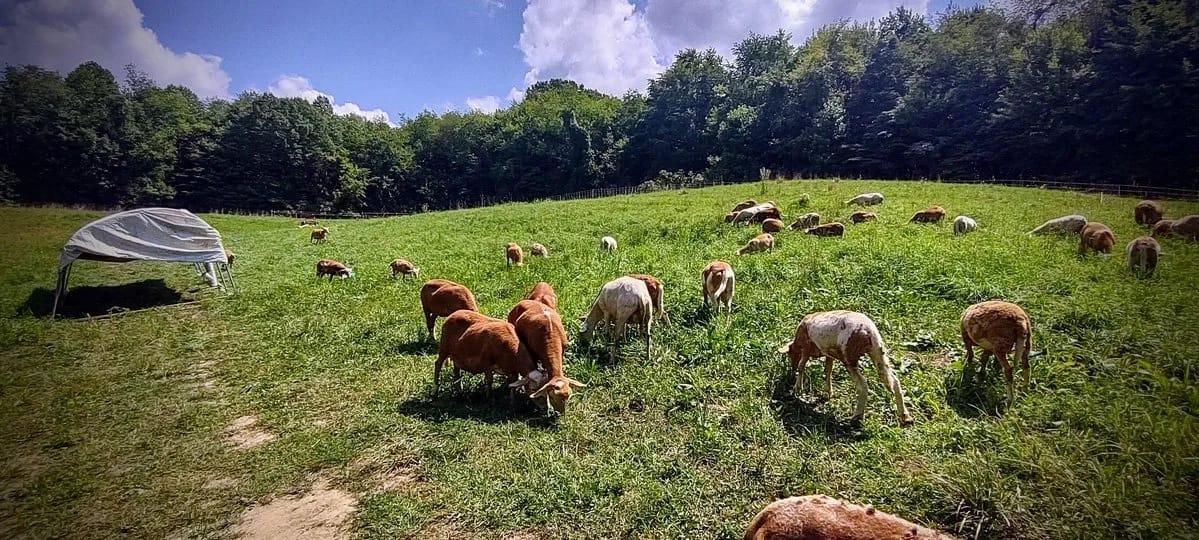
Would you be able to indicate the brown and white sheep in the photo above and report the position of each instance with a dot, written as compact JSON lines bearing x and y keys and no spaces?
{"x":765,"y":214}
{"x":828,"y":229}
{"x":806,"y":221}
{"x":514,"y":255}
{"x":719,"y":284}
{"x":820,"y":517}
{"x":1163,"y":228}
{"x":544,"y":292}
{"x":744,"y":204}
{"x":1186,"y":227}
{"x":866,"y":199}
{"x":1143,"y":254}
{"x":441,"y":298}
{"x":729,"y":217}
{"x":1096,"y":237}
{"x":540,"y":329}
{"x":863,"y":217}
{"x":846,"y":336}
{"x":772,"y":225}
{"x":538,"y":250}
{"x":932,"y":214}
{"x":657,"y":294}
{"x":1071,"y":224}
{"x":318,"y":235}
{"x":759,"y":243}
{"x":332,"y":268}
{"x":621,"y":301}
{"x":1148,"y":212}
{"x":405,"y":268}
{"x":1000,"y":328}
{"x":484,"y":346}
{"x":608,"y":244}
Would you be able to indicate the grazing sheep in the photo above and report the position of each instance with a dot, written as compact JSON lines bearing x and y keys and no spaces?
{"x":229,"y":256}
{"x":318,"y":235}
{"x":806,"y":221}
{"x":1096,"y":237}
{"x":772,"y":225}
{"x":621,"y":301}
{"x":1186,"y":227}
{"x":932,"y":214}
{"x":719,"y":284}
{"x":828,"y":229}
{"x":765,"y":214}
{"x":759,"y":243}
{"x":402,"y":266}
{"x":1142,"y":256}
{"x":451,"y":331}
{"x":743,"y":205}
{"x":608,"y":244}
{"x":1148,"y":212}
{"x":441,"y":298}
{"x":514,"y":255}
{"x":866,"y":199}
{"x":844,"y":336}
{"x":657,"y":294}
{"x":820,"y":517}
{"x":1162,"y":228}
{"x":307,"y":222}
{"x":544,"y":292}
{"x":729,"y":217}
{"x":963,"y":225}
{"x":331,"y":268}
{"x":486,"y":346}
{"x":758,"y":213}
{"x":540,"y":329}
{"x":1000,"y":328}
{"x":538,"y":250}
{"x":1071,"y":224}
{"x":863,"y":217}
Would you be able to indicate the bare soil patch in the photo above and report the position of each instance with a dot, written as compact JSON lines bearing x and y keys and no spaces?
{"x":323,"y":513}
{"x":244,"y":433}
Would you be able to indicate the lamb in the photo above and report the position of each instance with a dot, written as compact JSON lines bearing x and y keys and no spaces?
{"x":932,"y":214}
{"x":844,"y":336}
{"x":1186,"y":227}
{"x":402,"y":266}
{"x":1071,"y":224}
{"x":479,"y":344}
{"x":1148,"y":212}
{"x":538,"y":250}
{"x":657,"y":294}
{"x":621,"y":301}
{"x":608,"y":244}
{"x":866,"y":199}
{"x":318,"y":235}
{"x":719,"y":284}
{"x":544,"y":292}
{"x":863,"y":217}
{"x":772,"y":225}
{"x":1163,"y":227}
{"x":441,"y":298}
{"x":513,"y":254}
{"x":828,"y":229}
{"x":820,"y":517}
{"x":1096,"y":237}
{"x":806,"y":221}
{"x":331,"y":268}
{"x":743,"y":205}
{"x":540,"y":329}
{"x":229,"y":256}
{"x":1000,"y":328}
{"x":759,"y":243}
{"x":1143,"y":254}
{"x":963,"y":225}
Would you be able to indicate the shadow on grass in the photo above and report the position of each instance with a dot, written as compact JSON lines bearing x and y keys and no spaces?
{"x":970,"y":399}
{"x":801,"y":418}
{"x":421,"y":346}
{"x":472,"y":403}
{"x":91,"y":301}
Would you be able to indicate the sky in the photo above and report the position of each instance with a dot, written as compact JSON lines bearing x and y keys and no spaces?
{"x":391,"y":59}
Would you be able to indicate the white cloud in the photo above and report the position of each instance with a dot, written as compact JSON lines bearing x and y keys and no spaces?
{"x":480,"y":52}
{"x":61,"y":34}
{"x":483,"y":104}
{"x":301,"y":87}
{"x":516,"y":95}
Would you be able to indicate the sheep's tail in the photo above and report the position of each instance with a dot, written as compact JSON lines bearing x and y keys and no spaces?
{"x":720,"y":290}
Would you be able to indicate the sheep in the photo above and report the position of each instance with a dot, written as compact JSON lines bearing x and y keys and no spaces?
{"x":538,"y":250}
{"x":480,"y":344}
{"x":729,"y":217}
{"x":1096,"y":237}
{"x":719,"y":283}
{"x":772,"y":225}
{"x":758,"y":213}
{"x":1163,"y":227}
{"x":828,"y":229}
{"x":806,"y":221}
{"x":820,"y":517}
{"x":963,"y":225}
{"x":999,"y":328}
{"x":743,"y":205}
{"x":621,"y":301}
{"x":540,"y":329}
{"x":513,"y":254}
{"x":1187,"y":227}
{"x":1143,"y":254}
{"x":1148,"y":212}
{"x":863,"y":217}
{"x":657,"y":294}
{"x":307,"y":222}
{"x":1071,"y":224}
{"x":608,"y":244}
{"x":544,"y":292}
{"x":765,"y":214}
{"x":844,"y":336}
{"x":932,"y":214}
{"x":331,"y":268}
{"x":759,"y":243}
{"x":402,"y":266}
{"x":866,"y":199}
{"x":318,"y":235}
{"x":441,"y":298}
{"x":229,"y":256}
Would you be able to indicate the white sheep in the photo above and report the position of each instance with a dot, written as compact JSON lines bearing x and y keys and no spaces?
{"x":866,"y":199}
{"x":608,"y":243}
{"x":620,"y":301}
{"x":964,"y":224}
{"x":1071,"y":224}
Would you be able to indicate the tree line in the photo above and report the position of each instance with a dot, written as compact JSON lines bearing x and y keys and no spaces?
{"x":1103,"y":91}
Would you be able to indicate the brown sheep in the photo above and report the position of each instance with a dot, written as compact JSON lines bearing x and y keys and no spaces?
{"x":1096,"y":237}
{"x":1142,"y":256}
{"x":229,"y":256}
{"x":1186,"y":227}
{"x":743,"y":205}
{"x":544,"y":292}
{"x":441,"y":298}
{"x":806,"y":221}
{"x":318,"y":235}
{"x":1163,"y":227}
{"x":932,"y":214}
{"x":828,"y":229}
{"x":402,"y":266}
{"x":772,"y":225}
{"x":657,"y":294}
{"x":331,"y":268}
{"x":820,"y":517}
{"x":759,"y":243}
{"x":719,"y":283}
{"x":1148,"y":212}
{"x":765,"y":214}
{"x":513,"y":254}
{"x":485,"y":346}
{"x":1000,"y":328}
{"x":862,"y":217}
{"x":540,"y":329}
{"x":538,"y":250}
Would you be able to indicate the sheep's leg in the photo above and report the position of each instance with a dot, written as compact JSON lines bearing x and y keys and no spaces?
{"x":983,"y":359}
{"x":617,"y":338}
{"x":969,"y":353}
{"x":892,"y":381}
{"x":429,"y":320}
{"x":648,"y":338}
{"x":1024,"y":366}
{"x":797,"y":367}
{"x":487,"y":379}
{"x":1007,"y":374}
{"x":859,"y":382}
{"x":437,"y":372}
{"x":728,"y":295}
{"x":828,"y":378}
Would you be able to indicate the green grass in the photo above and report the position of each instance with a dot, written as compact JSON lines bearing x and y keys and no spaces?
{"x":104,"y":430}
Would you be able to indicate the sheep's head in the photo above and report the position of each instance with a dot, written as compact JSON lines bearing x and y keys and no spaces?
{"x":557,"y":391}
{"x":530,"y":380}
{"x":416,"y":271}
{"x":347,"y":273}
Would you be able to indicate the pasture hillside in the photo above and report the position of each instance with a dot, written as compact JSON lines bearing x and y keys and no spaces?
{"x":189,"y":419}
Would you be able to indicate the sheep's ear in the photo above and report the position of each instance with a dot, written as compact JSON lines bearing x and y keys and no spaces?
{"x":575,"y":383}
{"x":786,"y":347}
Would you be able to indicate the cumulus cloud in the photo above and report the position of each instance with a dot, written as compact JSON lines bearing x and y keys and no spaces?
{"x":61,"y":34}
{"x":480,"y":52}
{"x":301,"y":87}
{"x":483,"y":104}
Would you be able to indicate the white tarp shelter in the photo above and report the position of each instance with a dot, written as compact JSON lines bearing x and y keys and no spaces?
{"x":146,"y":234}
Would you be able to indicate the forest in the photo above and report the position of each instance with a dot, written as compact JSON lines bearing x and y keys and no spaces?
{"x":1102,"y":91}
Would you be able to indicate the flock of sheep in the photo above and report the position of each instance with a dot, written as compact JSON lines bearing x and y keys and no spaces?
{"x":529,"y":346}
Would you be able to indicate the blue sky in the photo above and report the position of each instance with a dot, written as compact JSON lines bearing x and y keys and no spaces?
{"x":394,"y":58}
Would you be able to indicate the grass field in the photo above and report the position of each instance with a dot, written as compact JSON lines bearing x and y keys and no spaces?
{"x":117,"y":427}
